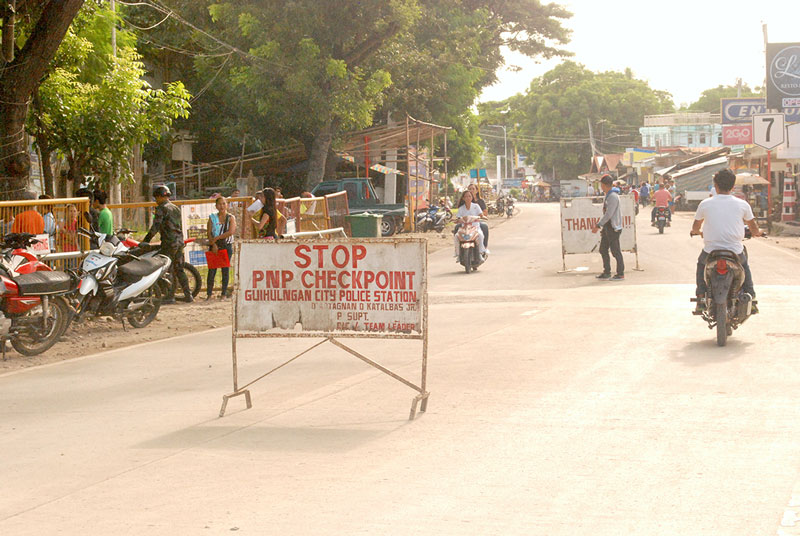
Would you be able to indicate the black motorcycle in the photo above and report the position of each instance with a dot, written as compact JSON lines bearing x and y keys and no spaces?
{"x":661,"y":219}
{"x":726,"y":306}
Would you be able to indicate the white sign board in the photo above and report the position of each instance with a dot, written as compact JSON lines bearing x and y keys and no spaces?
{"x":768,"y":130}
{"x":361,"y":285}
{"x":579,"y":215}
{"x":195,"y":222}
{"x":42,"y":246}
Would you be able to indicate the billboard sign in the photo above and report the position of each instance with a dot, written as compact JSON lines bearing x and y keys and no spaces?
{"x":783,"y":73}
{"x":579,"y":215}
{"x":740,"y":111}
{"x":737,"y":134}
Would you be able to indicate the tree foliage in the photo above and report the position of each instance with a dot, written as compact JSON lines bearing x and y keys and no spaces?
{"x":709,"y":100}
{"x":552,"y":115}
{"x":93,"y":107}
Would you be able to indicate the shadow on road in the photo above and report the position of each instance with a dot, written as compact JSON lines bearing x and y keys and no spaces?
{"x":706,"y":352}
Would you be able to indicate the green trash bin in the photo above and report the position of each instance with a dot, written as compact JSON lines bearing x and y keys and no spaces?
{"x":365,"y":225}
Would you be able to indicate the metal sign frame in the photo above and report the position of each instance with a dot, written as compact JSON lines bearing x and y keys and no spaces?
{"x":421,"y":399}
{"x":564,"y":253}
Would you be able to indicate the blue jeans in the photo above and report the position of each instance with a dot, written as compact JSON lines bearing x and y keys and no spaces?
{"x":701,"y":280}
{"x":212,"y":273}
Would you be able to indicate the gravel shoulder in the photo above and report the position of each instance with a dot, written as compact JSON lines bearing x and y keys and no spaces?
{"x":94,"y":336}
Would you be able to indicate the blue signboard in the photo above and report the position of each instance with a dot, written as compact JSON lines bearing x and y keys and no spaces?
{"x":741,"y":110}
{"x":475,"y":173}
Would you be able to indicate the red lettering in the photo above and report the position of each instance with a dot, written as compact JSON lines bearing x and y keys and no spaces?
{"x":339,"y":249}
{"x":306,"y":283}
{"x":359,"y":253}
{"x":320,"y":249}
{"x":258,"y":275}
{"x":340,"y":280}
{"x":286,"y":276}
{"x":272,"y":279}
{"x":369,"y":277}
{"x":301,"y":252}
{"x":385,"y":282}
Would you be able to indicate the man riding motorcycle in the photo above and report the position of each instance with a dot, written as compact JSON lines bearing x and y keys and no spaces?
{"x":662,"y":198}
{"x":167,"y":222}
{"x":723,"y":216}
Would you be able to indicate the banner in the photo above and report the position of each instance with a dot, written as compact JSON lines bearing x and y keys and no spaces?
{"x":579,"y":215}
{"x":737,"y":134}
{"x":374,"y":286}
{"x":783,"y":75}
{"x":740,"y":111}
{"x":195,"y":222}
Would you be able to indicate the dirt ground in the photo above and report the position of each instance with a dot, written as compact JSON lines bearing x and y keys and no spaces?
{"x":95,"y":336}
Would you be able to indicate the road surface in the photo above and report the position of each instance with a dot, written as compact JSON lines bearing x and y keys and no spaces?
{"x":560,"y":405}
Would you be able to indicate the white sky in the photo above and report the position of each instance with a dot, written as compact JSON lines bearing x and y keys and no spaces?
{"x":679,"y":46}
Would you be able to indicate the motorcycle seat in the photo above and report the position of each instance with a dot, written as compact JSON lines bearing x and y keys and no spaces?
{"x":40,"y":283}
{"x":139,"y":268}
{"x":722,"y":254}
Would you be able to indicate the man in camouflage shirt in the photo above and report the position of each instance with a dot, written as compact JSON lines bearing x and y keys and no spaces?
{"x":167,"y":222}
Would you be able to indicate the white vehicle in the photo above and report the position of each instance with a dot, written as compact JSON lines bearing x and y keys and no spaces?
{"x":117,"y":284}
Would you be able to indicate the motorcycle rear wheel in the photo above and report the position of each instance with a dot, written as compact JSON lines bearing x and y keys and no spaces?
{"x":660,"y":227}
{"x":466,"y":260}
{"x":721,"y":317}
{"x":142,"y":317}
{"x":31,"y":341}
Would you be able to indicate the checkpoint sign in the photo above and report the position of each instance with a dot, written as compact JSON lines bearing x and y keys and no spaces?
{"x":372,"y":286}
{"x":768,"y":130}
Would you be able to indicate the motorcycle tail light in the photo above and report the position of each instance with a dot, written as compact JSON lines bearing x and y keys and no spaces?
{"x":722,"y":267}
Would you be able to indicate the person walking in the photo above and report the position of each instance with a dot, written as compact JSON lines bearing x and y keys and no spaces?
{"x":221,"y":230}
{"x":610,"y":226}
{"x":167,"y":222}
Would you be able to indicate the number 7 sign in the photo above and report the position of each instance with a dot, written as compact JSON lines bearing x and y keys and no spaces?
{"x":768,"y":130}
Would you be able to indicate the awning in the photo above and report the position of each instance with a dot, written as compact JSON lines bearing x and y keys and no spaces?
{"x":380,"y":168}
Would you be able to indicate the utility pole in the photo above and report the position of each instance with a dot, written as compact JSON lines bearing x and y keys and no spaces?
{"x":505,"y":150}
{"x":591,"y":137}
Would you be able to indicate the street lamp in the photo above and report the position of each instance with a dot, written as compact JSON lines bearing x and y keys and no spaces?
{"x":505,"y":149}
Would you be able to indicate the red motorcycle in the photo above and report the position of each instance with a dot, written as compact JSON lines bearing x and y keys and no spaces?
{"x":35,"y":312}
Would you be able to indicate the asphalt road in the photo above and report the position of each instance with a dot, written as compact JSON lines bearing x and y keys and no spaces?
{"x":559,"y":405}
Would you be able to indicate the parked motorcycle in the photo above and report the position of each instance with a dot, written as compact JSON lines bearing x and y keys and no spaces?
{"x":432,"y":218}
{"x":147,"y":251}
{"x":117,"y":284}
{"x":469,"y":251}
{"x":35,"y":312}
{"x":726,"y":306}
{"x":661,"y":219}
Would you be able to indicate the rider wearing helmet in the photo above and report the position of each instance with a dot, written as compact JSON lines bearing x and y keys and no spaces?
{"x":167,"y":222}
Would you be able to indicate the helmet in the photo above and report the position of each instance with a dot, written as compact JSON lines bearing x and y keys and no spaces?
{"x":161,"y":191}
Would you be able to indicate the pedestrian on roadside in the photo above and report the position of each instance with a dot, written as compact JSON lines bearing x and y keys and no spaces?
{"x":610,"y":226}
{"x":28,"y":221}
{"x":91,"y":215}
{"x":105,"y":219}
{"x":49,"y":219}
{"x":168,"y":223}
{"x":644,"y":194}
{"x":221,"y":228}
{"x":267,"y":217}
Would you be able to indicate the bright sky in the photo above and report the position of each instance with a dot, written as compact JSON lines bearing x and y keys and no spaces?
{"x":680,"y":46}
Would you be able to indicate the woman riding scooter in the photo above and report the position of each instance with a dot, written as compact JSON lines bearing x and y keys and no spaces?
{"x":466,"y":207}
{"x":476,"y":198}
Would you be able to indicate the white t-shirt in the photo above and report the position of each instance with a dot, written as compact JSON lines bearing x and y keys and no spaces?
{"x":723,"y":227}
{"x":474,"y":210}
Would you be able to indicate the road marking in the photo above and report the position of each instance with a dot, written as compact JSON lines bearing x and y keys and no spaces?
{"x":531,"y":312}
{"x":778,"y":248}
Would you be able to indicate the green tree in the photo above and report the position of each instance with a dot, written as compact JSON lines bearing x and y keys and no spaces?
{"x":31,"y":34}
{"x":553,"y":116}
{"x":709,"y":100}
{"x":93,"y":107}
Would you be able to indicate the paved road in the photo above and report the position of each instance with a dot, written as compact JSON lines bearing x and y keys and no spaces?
{"x":560,"y":406}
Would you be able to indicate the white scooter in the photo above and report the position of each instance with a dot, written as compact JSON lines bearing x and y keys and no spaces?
{"x":117,"y":284}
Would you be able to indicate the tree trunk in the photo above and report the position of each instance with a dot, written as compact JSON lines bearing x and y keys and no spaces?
{"x":19,"y":80}
{"x":331,"y":164}
{"x":43,"y":141}
{"x":319,"y":155}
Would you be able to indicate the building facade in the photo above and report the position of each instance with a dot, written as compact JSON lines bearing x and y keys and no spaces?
{"x":685,"y":129}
